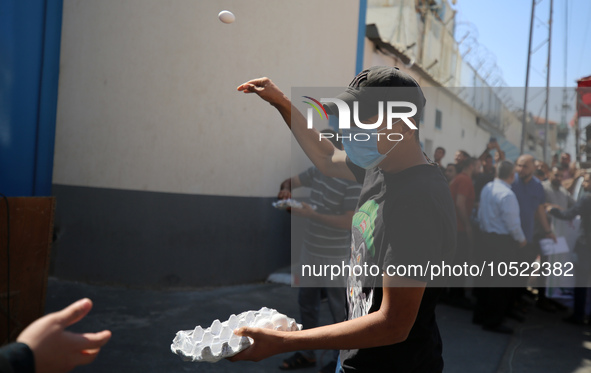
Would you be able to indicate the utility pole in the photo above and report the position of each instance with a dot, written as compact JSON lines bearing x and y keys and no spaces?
{"x":565,"y":105}
{"x":547,"y":125}
{"x":524,"y":120}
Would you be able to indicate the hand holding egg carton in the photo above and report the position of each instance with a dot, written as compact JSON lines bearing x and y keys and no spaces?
{"x":219,"y":341}
{"x":284,"y":204}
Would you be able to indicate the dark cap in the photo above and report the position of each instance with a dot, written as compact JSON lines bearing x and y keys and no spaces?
{"x":380,"y":83}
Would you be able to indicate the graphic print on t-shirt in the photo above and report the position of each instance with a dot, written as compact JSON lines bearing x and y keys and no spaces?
{"x":362,"y":251}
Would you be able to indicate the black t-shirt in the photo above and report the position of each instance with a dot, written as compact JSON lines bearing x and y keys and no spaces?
{"x":407,"y":218}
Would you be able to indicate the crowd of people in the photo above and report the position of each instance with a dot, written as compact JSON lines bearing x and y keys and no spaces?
{"x":503,"y":211}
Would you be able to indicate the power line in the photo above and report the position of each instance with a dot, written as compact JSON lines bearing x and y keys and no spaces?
{"x":584,"y":40}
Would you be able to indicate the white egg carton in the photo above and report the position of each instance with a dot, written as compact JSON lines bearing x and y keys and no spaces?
{"x":219,"y":341}
{"x":284,"y":204}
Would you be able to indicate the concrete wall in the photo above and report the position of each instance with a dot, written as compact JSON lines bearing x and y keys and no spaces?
{"x":148,"y":113}
{"x":458,"y":131}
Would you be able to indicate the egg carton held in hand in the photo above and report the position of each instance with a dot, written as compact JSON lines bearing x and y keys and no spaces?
{"x":219,"y":341}
{"x":284,"y":204}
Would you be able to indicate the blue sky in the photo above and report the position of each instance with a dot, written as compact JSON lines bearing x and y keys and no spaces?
{"x":503,"y":28}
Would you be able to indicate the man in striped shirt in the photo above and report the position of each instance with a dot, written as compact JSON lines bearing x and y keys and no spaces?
{"x":326,"y":242}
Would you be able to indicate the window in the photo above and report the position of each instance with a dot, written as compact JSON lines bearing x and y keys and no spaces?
{"x":437,"y":119}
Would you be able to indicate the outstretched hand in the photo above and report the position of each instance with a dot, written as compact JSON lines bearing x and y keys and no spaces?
{"x":267,"y":342}
{"x":56,"y":350}
{"x":265,"y":88}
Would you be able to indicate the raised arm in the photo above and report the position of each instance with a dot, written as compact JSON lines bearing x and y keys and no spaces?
{"x":329,"y":160}
{"x":485,"y":153}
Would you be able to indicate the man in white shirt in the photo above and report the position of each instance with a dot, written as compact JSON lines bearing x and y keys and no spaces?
{"x":502,"y":237}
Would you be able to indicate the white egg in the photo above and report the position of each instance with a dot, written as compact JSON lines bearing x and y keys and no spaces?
{"x":279,"y":322}
{"x":226,"y":16}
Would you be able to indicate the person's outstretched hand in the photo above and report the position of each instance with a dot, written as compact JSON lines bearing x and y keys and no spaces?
{"x":57,"y":350}
{"x":265,"y":88}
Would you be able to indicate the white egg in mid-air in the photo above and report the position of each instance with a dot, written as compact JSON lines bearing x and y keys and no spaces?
{"x":226,"y":16}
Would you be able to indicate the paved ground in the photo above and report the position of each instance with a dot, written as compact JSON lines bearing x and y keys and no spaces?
{"x":144,"y":322}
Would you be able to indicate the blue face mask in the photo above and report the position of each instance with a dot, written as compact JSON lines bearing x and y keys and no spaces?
{"x":363,"y":153}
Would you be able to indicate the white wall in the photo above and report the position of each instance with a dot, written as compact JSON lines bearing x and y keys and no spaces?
{"x":147,"y":90}
{"x":458,"y":131}
{"x":455,"y":116}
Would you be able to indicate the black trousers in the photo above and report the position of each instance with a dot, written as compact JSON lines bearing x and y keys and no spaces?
{"x":494,"y":302}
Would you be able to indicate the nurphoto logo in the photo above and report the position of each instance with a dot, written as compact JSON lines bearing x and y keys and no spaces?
{"x":345,"y":113}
